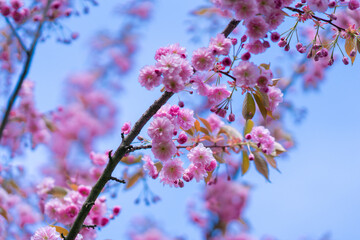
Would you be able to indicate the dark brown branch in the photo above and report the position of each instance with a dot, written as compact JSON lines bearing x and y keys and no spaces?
{"x":225,"y":73}
{"x":316,"y":17}
{"x":122,"y":150}
{"x":30,"y":54}
{"x":184,"y":146}
{"x":230,"y":27}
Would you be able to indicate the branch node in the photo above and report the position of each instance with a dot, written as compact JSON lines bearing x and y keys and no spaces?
{"x":89,"y":204}
{"x":117,"y":180}
{"x":109,"y":154}
{"x":62,"y":236}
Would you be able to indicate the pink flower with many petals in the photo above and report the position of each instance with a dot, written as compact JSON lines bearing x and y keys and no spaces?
{"x":256,"y":27}
{"x":246,"y":73}
{"x":172,"y":171}
{"x":220,"y":45}
{"x":150,"y":167}
{"x":186,"y":118}
{"x":150,"y":77}
{"x":275,"y":97}
{"x":200,"y":156}
{"x":163,"y":150}
{"x":46,"y":233}
{"x":161,"y":129}
{"x":203,"y":59}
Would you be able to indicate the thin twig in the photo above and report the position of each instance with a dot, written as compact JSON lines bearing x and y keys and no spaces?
{"x":122,"y":150}
{"x":26,"y":68}
{"x":316,"y":17}
{"x":117,"y":180}
{"x":17,"y":35}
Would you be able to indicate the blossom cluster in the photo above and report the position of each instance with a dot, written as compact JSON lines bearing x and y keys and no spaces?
{"x":25,"y":118}
{"x":162,"y":129}
{"x":261,"y":136}
{"x":172,"y":69}
{"x":65,"y":204}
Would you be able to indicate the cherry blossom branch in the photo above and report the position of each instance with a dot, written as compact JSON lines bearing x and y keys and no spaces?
{"x":316,"y":17}
{"x":121,"y":151}
{"x":148,"y":146}
{"x":26,"y":68}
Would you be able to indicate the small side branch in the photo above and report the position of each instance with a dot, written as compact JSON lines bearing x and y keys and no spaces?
{"x":17,"y":36}
{"x":117,"y":180}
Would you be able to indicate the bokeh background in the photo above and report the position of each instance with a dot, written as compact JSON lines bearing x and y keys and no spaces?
{"x":318,"y":189}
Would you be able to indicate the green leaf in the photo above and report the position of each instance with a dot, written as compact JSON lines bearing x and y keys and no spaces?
{"x":206,"y":123}
{"x":263,"y":96}
{"x":349,"y":46}
{"x":248,"y":110}
{"x":248,"y":126}
{"x":208,"y":177}
{"x":261,"y":165}
{"x":58,"y":192}
{"x":134,"y":179}
{"x":260,"y":105}
{"x":189,"y":131}
{"x":3,"y":213}
{"x":278,"y":149}
{"x":204,"y":130}
{"x":230,"y":132}
{"x":61,"y":230}
{"x":158,"y":166}
{"x":271,"y":161}
{"x":245,"y":162}
{"x":197,"y":125}
{"x":218,"y":158}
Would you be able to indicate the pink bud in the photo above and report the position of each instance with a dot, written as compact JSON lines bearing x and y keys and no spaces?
{"x":352,"y":53}
{"x":226,"y":62}
{"x":243,"y":38}
{"x":211,"y":166}
{"x":116,"y":210}
{"x":353,"y":4}
{"x":231,"y":117}
{"x":345,"y":60}
{"x":234,"y":41}
{"x":104,"y":221}
{"x":246,"y":56}
{"x":248,"y":136}
{"x":181,"y":104}
{"x":275,"y":36}
{"x":332,"y":4}
{"x":266,"y":44}
{"x":182,"y":138}
{"x":251,"y":157}
{"x":5,"y":10}
{"x":181,"y":183}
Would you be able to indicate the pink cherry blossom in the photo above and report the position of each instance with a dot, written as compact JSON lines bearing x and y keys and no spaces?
{"x":246,"y":73}
{"x":203,"y":59}
{"x":171,"y":171}
{"x":46,"y":233}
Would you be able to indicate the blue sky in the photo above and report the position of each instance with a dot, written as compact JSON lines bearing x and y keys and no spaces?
{"x":318,"y":189}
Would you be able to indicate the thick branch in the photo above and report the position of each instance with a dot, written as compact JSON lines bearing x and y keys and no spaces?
{"x":24,"y":72}
{"x":121,"y":151}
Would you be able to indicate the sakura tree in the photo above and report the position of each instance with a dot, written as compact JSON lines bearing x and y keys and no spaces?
{"x":217,"y":115}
